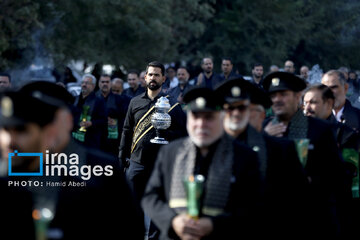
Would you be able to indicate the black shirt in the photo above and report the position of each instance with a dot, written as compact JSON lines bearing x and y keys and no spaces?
{"x":202,"y":163}
{"x":131,"y":93}
{"x":145,"y":152}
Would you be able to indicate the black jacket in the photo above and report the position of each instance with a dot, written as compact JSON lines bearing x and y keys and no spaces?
{"x":351,"y":116}
{"x":97,"y":131}
{"x":116,"y":108}
{"x":145,"y":152}
{"x":242,"y":205}
{"x":284,"y":183}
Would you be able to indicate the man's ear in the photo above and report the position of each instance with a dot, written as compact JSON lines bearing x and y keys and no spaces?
{"x":346,"y":87}
{"x":49,"y":133}
{"x":299,"y":95}
{"x":64,"y":120}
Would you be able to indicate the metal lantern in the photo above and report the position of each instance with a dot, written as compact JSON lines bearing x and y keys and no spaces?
{"x":161,"y":120}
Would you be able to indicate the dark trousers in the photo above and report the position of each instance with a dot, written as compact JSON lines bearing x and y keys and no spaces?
{"x":137,"y":176}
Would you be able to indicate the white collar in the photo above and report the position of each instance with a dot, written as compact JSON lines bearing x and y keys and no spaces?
{"x":338,"y":114}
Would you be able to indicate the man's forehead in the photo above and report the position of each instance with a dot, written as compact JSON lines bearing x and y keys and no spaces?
{"x":22,"y":128}
{"x":204,"y":114}
{"x":152,"y":69}
{"x":282,"y":92}
{"x":207,"y":60}
{"x":312,"y":94}
{"x":240,"y":102}
{"x":181,"y":70}
{"x":330,"y":79}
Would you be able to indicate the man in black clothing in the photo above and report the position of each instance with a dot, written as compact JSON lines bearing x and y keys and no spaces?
{"x":38,"y":120}
{"x":137,"y":153}
{"x":135,"y":88}
{"x":318,"y":102}
{"x":116,"y":109}
{"x":89,"y":115}
{"x":227,"y":70}
{"x":5,"y":80}
{"x":257,"y":74}
{"x":343,"y":110}
{"x":183,"y":78}
{"x":207,"y":78}
{"x":228,"y":205}
{"x":282,"y":175}
{"x":324,"y":166}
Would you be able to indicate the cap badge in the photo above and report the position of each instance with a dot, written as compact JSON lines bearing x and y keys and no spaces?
{"x":256,"y":148}
{"x":235,"y":91}
{"x":7,"y":108}
{"x":200,"y":102}
{"x":37,"y":95}
{"x":275,"y":82}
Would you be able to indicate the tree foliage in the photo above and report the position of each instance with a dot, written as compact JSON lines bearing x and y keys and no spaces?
{"x":17,"y":20}
{"x":306,"y":31}
{"x":133,"y":32}
{"x":119,"y":32}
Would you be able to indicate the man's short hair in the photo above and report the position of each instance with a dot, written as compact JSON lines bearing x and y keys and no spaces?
{"x":3,"y":74}
{"x":133,"y":71}
{"x":339,"y":74}
{"x":326,"y":92}
{"x":88,"y":75}
{"x":257,"y":65}
{"x":167,"y":70}
{"x":156,"y":64}
{"x":227,"y":59}
{"x":202,"y":60}
{"x":105,"y":75}
{"x":182,"y":67}
{"x":114,"y":80}
{"x":352,"y":71}
{"x":343,"y":69}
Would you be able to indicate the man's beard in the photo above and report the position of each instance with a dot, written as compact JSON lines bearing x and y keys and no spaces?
{"x":235,"y":125}
{"x":153,"y":87}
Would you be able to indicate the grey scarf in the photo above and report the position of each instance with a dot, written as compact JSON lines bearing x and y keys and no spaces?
{"x":217,"y":186}
{"x":298,"y":126}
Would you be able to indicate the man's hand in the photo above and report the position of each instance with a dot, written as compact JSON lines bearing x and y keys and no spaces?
{"x":204,"y":227}
{"x":178,"y":223}
{"x":85,"y":124}
{"x":112,"y":121}
{"x":276,"y":130}
{"x":189,"y":229}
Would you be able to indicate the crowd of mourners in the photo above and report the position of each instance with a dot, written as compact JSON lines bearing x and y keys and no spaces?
{"x":266,"y":155}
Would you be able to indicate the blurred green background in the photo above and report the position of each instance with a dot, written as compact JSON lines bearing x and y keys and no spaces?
{"x":130,"y":33}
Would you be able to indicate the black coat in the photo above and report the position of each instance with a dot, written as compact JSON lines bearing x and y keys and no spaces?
{"x":97,"y":131}
{"x":116,"y":108}
{"x":211,"y":82}
{"x":346,"y":137}
{"x":285,"y":185}
{"x":326,"y":171}
{"x":351,"y":115}
{"x":242,"y":205}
